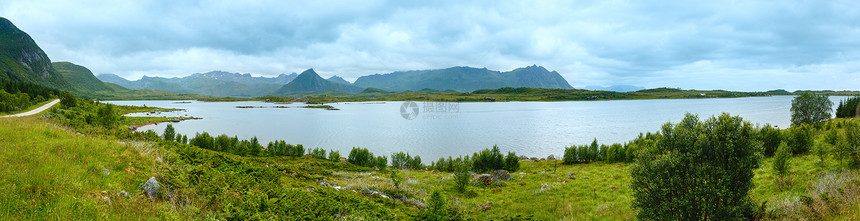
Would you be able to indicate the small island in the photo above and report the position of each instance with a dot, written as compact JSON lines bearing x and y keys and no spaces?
{"x":322,"y":106}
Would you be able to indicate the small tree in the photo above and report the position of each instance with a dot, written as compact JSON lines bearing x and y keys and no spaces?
{"x":780,"y":162}
{"x":488,"y":160}
{"x":770,"y":137}
{"x":810,"y":108}
{"x":334,"y":156}
{"x":318,"y":153}
{"x":169,"y":132}
{"x":461,"y":179}
{"x":67,"y":99}
{"x":821,"y":150}
{"x":437,"y":208}
{"x":512,"y":162}
{"x":842,"y":148}
{"x":801,"y":139}
{"x":697,"y":171}
{"x":569,"y":155}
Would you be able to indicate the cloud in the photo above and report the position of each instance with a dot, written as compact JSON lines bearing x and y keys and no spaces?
{"x":740,"y":45}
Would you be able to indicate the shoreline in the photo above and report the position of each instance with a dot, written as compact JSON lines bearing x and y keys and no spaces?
{"x":177,"y":120}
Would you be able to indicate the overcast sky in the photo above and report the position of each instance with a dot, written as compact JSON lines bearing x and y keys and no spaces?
{"x":735,"y":45}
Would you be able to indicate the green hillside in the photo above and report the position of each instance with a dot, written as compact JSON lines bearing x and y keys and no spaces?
{"x":22,"y":60}
{"x":81,"y":78}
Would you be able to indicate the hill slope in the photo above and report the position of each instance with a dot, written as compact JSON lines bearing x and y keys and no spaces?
{"x":310,"y":81}
{"x":22,"y":60}
{"x":81,"y":78}
{"x":464,"y":79}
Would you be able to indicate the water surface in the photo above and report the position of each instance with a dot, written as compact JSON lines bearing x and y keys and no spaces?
{"x":528,"y":128}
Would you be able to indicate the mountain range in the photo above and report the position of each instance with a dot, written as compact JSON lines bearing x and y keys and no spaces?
{"x":21,"y":59}
{"x":214,"y":83}
{"x":464,"y":79}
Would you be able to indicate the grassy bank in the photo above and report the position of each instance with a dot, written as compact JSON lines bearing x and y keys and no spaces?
{"x":50,"y":171}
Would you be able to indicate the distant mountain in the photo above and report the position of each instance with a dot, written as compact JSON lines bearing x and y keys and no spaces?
{"x":616,"y":88}
{"x":464,"y":79}
{"x":22,"y":60}
{"x":117,"y":80}
{"x":214,"y":83}
{"x":310,"y":81}
{"x":337,"y":79}
{"x":80,"y":77}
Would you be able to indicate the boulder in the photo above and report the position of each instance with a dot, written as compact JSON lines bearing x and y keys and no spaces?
{"x":150,"y":188}
{"x":502,"y":175}
{"x":484,"y":179}
{"x":105,"y":171}
{"x":550,"y":157}
{"x":123,"y":194}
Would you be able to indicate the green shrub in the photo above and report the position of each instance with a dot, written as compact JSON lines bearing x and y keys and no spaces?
{"x":334,"y":156}
{"x":380,"y":162}
{"x":461,"y":179}
{"x":770,"y":138}
{"x":512,"y":162}
{"x":488,"y":160}
{"x":697,"y":171}
{"x":780,"y":161}
{"x":361,"y":157}
{"x":318,"y":153}
{"x":437,"y":208}
{"x":570,"y":155}
{"x":801,"y":139}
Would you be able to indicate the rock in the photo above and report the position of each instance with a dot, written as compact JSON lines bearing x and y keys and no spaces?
{"x":502,"y":175}
{"x":123,"y":194}
{"x":523,"y":157}
{"x":613,"y":188}
{"x":372,"y":192}
{"x":487,"y":179}
{"x":150,"y":188}
{"x":486,"y":206}
{"x":108,"y":200}
{"x":375,"y":168}
{"x":550,"y":157}
{"x":309,"y":188}
{"x":535,"y":159}
{"x":105,"y":171}
{"x":571,"y":175}
{"x":484,"y":179}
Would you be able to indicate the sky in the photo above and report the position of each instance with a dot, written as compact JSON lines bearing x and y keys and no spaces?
{"x":745,"y":45}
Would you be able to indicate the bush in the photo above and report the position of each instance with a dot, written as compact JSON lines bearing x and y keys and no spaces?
{"x":360,"y":157}
{"x":334,"y":156}
{"x":780,"y":161}
{"x":569,"y":155}
{"x":318,"y":153}
{"x":488,"y":160}
{"x":512,"y":162}
{"x":67,"y":99}
{"x":711,"y":166}
{"x":770,"y":138}
{"x":800,"y":139}
{"x":381,"y":162}
{"x":437,"y":208}
{"x":461,"y":179}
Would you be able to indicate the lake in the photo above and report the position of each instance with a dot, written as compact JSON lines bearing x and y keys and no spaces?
{"x":534,"y":129}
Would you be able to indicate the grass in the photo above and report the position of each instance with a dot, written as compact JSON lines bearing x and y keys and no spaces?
{"x":49,"y":171}
{"x":32,"y":107}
